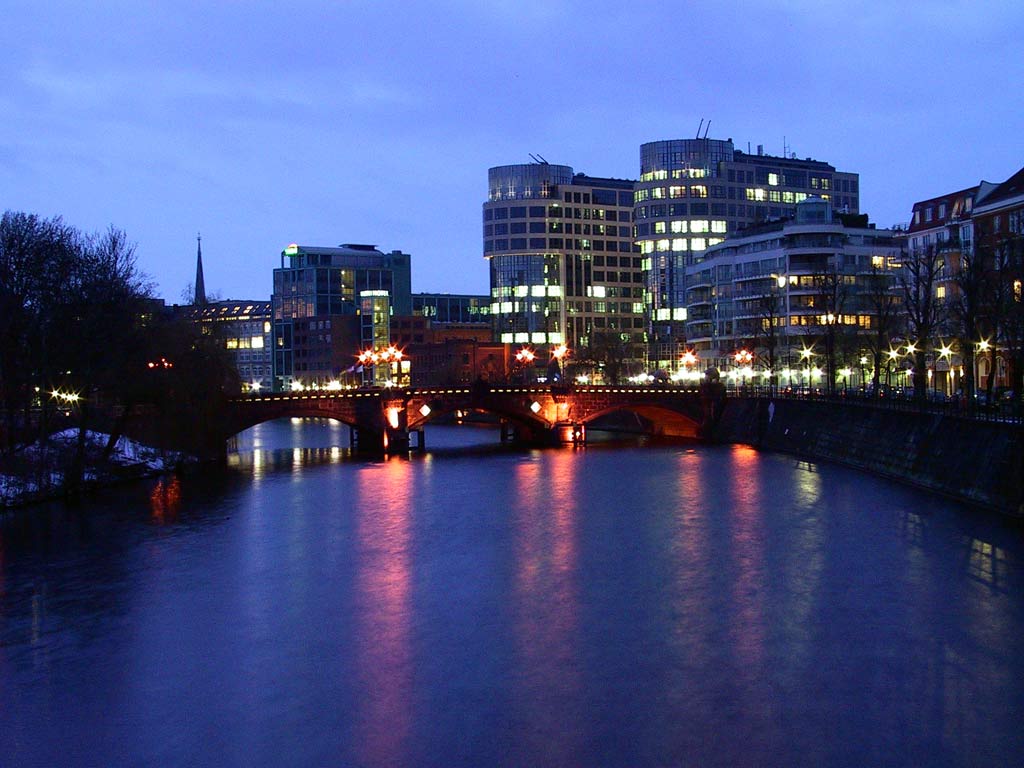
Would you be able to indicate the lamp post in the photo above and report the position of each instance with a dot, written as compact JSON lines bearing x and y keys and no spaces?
{"x":391,"y":358}
{"x":524,"y":357}
{"x":689,"y":361}
{"x":805,"y":356}
{"x":743,"y":359}
{"x":559,"y":353}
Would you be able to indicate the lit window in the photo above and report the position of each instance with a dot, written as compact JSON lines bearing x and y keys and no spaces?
{"x":700,"y":225}
{"x":663,"y":245}
{"x":522,"y":338}
{"x":506,"y":338}
{"x":537,"y":290}
{"x":257,"y":342}
{"x":538,"y":338}
{"x":698,"y":190}
{"x":664,"y":314}
{"x":718,"y":226}
{"x":659,"y":227}
{"x":698,"y":244}
{"x":647,"y":246}
{"x":658,"y":193}
{"x":677,"y":191}
{"x":679,"y":313}
{"x":773,"y":179}
{"x":679,"y":226}
{"x":679,"y":244}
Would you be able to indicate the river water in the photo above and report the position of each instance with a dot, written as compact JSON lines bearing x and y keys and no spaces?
{"x":617,"y":605}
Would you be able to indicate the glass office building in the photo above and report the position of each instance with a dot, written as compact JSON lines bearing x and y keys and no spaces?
{"x":563,"y":266}
{"x":692,"y":194}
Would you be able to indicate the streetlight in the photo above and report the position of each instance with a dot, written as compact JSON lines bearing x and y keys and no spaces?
{"x":805,"y":355}
{"x":559,"y":354}
{"x":946,"y":351}
{"x":743,"y":359}
{"x":391,"y":357}
{"x":525,"y":357}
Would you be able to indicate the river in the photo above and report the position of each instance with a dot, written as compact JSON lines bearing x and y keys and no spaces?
{"x":615,"y":605}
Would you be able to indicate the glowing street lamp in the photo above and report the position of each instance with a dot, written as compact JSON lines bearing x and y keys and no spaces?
{"x":559,"y":353}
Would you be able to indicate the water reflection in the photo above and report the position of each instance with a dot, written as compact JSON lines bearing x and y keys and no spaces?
{"x":747,"y":555}
{"x":545,"y":610}
{"x":383,"y":589}
{"x":165,"y":500}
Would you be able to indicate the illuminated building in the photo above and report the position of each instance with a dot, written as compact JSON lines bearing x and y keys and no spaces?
{"x":563,"y":267}
{"x":243,"y":327}
{"x":318,"y":327}
{"x":795,"y":281}
{"x":692,"y":194}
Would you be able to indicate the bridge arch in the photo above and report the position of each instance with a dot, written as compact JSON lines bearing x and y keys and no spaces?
{"x":665,"y":421}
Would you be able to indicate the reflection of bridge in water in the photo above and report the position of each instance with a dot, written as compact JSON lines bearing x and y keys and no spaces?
{"x":382,"y":420}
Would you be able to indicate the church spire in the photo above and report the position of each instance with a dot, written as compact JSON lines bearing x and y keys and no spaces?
{"x":200,"y":297}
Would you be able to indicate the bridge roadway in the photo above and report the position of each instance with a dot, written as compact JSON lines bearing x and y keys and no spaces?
{"x":382,"y":420}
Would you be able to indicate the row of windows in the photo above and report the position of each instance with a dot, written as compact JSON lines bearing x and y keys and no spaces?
{"x":555,"y":227}
{"x":679,"y":244}
{"x":660,"y":193}
{"x":557,"y":243}
{"x":555,"y":212}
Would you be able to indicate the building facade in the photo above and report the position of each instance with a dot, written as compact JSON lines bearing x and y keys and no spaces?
{"x":319,"y":326}
{"x":563,"y":265}
{"x":691,"y":195}
{"x":792,"y":292}
{"x":244,"y":328}
{"x":452,"y":308}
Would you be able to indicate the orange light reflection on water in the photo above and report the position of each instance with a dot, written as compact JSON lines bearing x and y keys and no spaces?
{"x":165,"y":500}
{"x":748,"y":556}
{"x":547,"y":604}
{"x":383,"y":586}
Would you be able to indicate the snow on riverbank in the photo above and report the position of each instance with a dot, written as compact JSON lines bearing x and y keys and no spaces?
{"x":37,"y":472}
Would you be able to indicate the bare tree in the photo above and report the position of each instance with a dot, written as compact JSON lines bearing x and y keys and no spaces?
{"x":831,"y":293}
{"x":882,"y":304}
{"x":923,"y":311}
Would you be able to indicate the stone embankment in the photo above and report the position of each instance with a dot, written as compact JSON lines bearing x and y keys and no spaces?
{"x":981,"y":462}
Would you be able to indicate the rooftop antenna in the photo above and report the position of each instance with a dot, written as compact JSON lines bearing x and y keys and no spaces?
{"x":699,"y":127}
{"x":533,"y":157}
{"x":542,"y":158}
{"x":706,"y":129}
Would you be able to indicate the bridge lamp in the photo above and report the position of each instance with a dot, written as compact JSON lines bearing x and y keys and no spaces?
{"x":535,"y":406}
{"x":911,"y":348}
{"x":393,"y":417}
{"x":559,"y":354}
{"x":945,"y":351}
{"x":424,"y":410}
{"x":297,"y":385}
{"x":333,"y":385}
{"x":256,"y":386}
{"x":983,"y":345}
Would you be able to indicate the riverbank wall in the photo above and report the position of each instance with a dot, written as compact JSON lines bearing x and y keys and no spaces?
{"x":980,"y":462}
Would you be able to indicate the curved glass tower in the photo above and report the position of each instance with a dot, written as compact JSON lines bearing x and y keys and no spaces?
{"x":691,"y":195}
{"x":562,"y":260}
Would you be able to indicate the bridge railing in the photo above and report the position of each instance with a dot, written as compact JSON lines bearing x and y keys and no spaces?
{"x":1009,"y":412}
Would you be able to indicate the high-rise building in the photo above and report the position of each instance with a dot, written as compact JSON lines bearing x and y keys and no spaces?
{"x":563,"y":266}
{"x":317,"y":303}
{"x":795,"y":294}
{"x":692,"y":194}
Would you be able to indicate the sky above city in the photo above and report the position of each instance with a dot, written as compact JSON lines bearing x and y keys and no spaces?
{"x":262,"y":124}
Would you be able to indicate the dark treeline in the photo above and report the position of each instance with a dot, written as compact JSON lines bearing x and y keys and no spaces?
{"x":78,"y":331}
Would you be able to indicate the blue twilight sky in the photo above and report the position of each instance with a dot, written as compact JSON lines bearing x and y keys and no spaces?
{"x":264,"y":123}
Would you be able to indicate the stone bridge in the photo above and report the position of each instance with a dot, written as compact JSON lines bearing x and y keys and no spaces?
{"x":382,"y":420}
